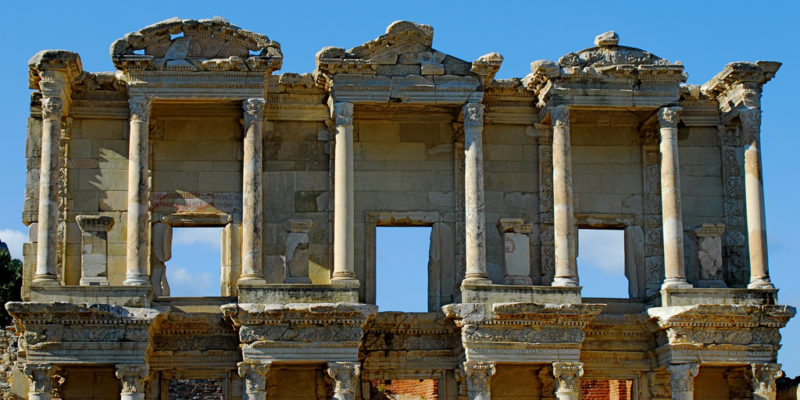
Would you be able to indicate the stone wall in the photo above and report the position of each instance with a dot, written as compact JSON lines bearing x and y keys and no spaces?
{"x":404,"y":389}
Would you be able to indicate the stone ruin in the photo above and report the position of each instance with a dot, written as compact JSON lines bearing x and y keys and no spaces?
{"x":195,"y":129}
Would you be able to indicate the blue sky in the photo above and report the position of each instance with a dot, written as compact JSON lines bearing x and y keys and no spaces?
{"x":704,"y":36}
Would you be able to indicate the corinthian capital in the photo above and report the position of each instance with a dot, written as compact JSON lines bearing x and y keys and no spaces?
{"x":559,"y":115}
{"x":51,"y":108}
{"x":254,"y":375}
{"x":668,"y":117}
{"x":473,"y":114}
{"x":479,"y":375}
{"x":764,"y":376}
{"x":40,"y":376}
{"x":751,"y":123}
{"x":140,"y":108}
{"x":344,"y":376}
{"x":343,"y":113}
{"x":567,"y":375}
{"x":681,"y":377}
{"x":253,"y":110}
{"x":132,"y":377}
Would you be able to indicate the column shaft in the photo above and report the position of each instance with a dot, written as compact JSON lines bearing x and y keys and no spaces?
{"x":252,"y":192}
{"x":754,"y":199}
{"x":566,"y":273}
{"x":344,"y":197}
{"x":47,"y":226}
{"x":474,"y":206}
{"x":672,"y":216}
{"x":138,"y":170}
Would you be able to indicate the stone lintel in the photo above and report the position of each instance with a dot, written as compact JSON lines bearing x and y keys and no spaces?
{"x":197,"y":219}
{"x":709,"y":230}
{"x":298,"y":225}
{"x":297,"y":293}
{"x":513,"y":225}
{"x":719,"y":296}
{"x":126,"y":296}
{"x":493,"y":293}
{"x":95,"y":223}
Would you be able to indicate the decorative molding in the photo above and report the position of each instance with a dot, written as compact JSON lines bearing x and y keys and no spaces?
{"x":559,"y":115}
{"x":343,"y":113}
{"x":567,"y":376}
{"x":253,"y":110}
{"x":681,"y":377}
{"x":140,"y":108}
{"x":668,"y":117}
{"x":473,"y":115}
{"x":132,"y":377}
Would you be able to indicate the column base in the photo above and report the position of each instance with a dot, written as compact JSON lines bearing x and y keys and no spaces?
{"x":760,"y":284}
{"x":676,"y":283}
{"x":45,"y":280}
{"x":565,"y":282}
{"x":517,"y":280}
{"x":136,"y":281}
{"x":476,"y":281}
{"x":345,"y":281}
{"x":251,"y":280}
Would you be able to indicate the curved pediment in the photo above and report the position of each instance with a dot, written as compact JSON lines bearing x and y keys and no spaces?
{"x":608,"y":52}
{"x":196,"y":45}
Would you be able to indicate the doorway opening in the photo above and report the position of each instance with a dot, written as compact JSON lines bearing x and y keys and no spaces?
{"x":601,"y":263}
{"x":401,"y":268}
{"x":194,"y":268}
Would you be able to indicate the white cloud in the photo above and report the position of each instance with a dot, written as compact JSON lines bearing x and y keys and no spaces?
{"x":602,"y":249}
{"x":14,"y":240}
{"x":203,"y":236}
{"x":184,"y":283}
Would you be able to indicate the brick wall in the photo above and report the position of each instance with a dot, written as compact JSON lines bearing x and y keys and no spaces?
{"x":616,"y":389}
{"x":404,"y":389}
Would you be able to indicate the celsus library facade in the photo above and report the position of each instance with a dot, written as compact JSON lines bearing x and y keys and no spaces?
{"x":196,"y":128}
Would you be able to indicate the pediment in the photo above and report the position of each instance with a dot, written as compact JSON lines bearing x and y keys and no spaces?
{"x":196,"y":45}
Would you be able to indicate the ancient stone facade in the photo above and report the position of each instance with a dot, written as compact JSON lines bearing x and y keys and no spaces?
{"x":195,"y":128}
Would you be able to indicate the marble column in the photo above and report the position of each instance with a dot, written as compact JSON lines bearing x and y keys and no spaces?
{"x":343,"y":197}
{"x":344,"y":379}
{"x":478,"y":376}
{"x":41,"y":380}
{"x":474,"y":206}
{"x":566,"y":273}
{"x":132,"y":378}
{"x":138,"y":171}
{"x":763,"y":382}
{"x":681,"y":380}
{"x":672,"y":216}
{"x":754,"y":199}
{"x":568,"y":375}
{"x":252,"y":192}
{"x":48,"y":190}
{"x":254,"y":375}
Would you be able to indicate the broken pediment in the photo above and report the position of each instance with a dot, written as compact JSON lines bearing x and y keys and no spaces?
{"x":196,"y":45}
{"x":608,"y":52}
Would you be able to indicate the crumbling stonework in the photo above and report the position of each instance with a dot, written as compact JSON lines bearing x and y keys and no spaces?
{"x":195,"y":129}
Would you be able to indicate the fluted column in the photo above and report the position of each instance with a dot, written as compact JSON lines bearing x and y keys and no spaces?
{"x":754,"y":198}
{"x":344,"y":379}
{"x":41,"y":380}
{"x":478,"y":376}
{"x":566,"y":273}
{"x":672,"y":216}
{"x":474,"y":206}
{"x":138,"y":170}
{"x":252,"y":192}
{"x":132,"y":378}
{"x":254,"y":375}
{"x":681,"y":380}
{"x":763,"y":380}
{"x":48,"y":190}
{"x":568,"y":376}
{"x":343,"y":197}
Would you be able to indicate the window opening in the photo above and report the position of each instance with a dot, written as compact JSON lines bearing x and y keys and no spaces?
{"x":401,"y":264}
{"x":601,"y":263}
{"x":194,"y":270}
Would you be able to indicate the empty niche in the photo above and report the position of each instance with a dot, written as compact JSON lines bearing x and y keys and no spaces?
{"x":601,"y":263}
{"x":194,"y":269}
{"x":401,"y":268}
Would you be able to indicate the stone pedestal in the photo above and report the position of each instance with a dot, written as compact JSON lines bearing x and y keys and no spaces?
{"x":254,"y":375}
{"x":344,"y":198}
{"x":568,"y":376}
{"x":252,"y":193}
{"x":709,"y":255}
{"x":478,"y":376}
{"x":681,"y":380}
{"x":344,"y":376}
{"x":132,"y":378}
{"x":764,"y":376}
{"x":474,"y":206}
{"x":566,"y":273}
{"x":517,"y":253}
{"x":138,"y":195}
{"x":94,"y":248}
{"x":672,"y":217}
{"x":296,"y":260}
{"x":41,"y":380}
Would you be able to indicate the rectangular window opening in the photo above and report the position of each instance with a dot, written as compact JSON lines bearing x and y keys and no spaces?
{"x":607,"y":389}
{"x":194,"y":270}
{"x":601,"y":263}
{"x":401,"y":268}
